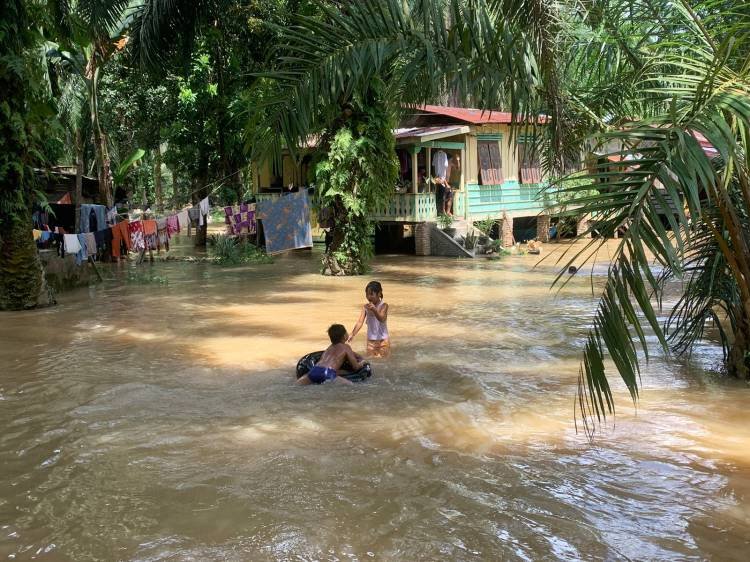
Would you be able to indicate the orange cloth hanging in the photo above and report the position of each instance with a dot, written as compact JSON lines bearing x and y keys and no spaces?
{"x":149,"y":227}
{"x":120,"y":234}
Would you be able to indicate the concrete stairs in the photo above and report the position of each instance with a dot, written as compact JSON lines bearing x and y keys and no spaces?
{"x":442,"y":244}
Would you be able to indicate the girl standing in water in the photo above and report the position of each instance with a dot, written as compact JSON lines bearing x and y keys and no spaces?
{"x":375,"y":312}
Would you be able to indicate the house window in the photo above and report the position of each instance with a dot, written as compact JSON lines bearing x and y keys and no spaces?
{"x":490,"y":163}
{"x":528,"y":162}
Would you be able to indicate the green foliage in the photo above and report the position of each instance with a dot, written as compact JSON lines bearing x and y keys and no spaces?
{"x":470,"y":241}
{"x":678,"y":178}
{"x":357,"y":174}
{"x":229,"y":251}
{"x":486,"y":226}
{"x":445,"y":221}
{"x":26,"y":121}
{"x":125,"y":166}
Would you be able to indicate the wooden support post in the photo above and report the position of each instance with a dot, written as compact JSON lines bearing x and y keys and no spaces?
{"x":461,"y":191}
{"x":414,"y":171}
{"x":428,"y":165}
{"x":542,"y":227}
{"x":96,"y":269}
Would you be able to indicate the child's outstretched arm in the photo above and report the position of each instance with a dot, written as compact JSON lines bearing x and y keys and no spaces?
{"x":354,"y":360}
{"x":357,"y":326}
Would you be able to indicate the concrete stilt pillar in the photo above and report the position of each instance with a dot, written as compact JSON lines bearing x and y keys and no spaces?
{"x":422,"y":239}
{"x":582,"y":226}
{"x":542,"y":228}
{"x":506,"y":231}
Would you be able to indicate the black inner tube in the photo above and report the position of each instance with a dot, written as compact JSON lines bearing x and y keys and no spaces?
{"x":308,"y":361}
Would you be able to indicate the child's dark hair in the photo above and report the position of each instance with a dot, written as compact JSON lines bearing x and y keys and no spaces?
{"x":337,"y":333}
{"x":374,"y":287}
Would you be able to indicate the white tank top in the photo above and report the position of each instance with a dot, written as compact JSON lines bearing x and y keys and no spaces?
{"x":376,"y":330}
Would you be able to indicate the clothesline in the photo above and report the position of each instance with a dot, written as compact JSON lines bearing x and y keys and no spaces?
{"x":139,"y":235}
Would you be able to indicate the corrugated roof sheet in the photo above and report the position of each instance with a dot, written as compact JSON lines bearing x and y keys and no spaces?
{"x":408,"y":132}
{"x":473,"y":116}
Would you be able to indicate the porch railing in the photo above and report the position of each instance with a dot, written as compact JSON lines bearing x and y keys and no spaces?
{"x":408,"y":207}
{"x":404,"y":207}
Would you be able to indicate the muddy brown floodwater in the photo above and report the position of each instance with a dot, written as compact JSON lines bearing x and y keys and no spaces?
{"x":159,"y":421}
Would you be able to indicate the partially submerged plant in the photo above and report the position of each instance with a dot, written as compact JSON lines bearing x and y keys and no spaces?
{"x":227,"y":250}
{"x":445,"y":221}
{"x":486,"y":226}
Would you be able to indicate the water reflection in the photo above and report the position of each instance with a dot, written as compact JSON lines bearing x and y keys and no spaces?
{"x":158,"y":421}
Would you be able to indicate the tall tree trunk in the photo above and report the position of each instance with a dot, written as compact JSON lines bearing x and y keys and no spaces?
{"x":79,"y":176}
{"x":103,"y":162}
{"x":175,"y":194}
{"x":738,"y":360}
{"x":157,"y":180}
{"x":23,"y":284}
{"x":22,"y":280}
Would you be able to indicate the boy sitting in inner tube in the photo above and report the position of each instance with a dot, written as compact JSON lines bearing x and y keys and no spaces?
{"x":333,"y":358}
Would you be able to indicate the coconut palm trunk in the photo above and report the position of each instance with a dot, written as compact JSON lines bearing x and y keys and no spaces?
{"x":22,"y":281}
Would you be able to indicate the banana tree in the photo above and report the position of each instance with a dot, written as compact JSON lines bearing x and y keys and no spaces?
{"x":90,"y":32}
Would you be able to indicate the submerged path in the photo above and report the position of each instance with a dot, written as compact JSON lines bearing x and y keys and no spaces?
{"x":158,"y":420}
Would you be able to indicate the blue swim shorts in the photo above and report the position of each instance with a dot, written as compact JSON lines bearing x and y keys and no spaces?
{"x":320,"y":375}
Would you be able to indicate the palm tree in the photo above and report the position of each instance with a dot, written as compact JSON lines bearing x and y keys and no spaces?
{"x":683,"y":190}
{"x":663,"y":85}
{"x":24,"y":125}
{"x":89,"y":32}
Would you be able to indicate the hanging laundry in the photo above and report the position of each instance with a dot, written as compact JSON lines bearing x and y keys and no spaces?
{"x":111,"y":217}
{"x":63,"y":216}
{"x":90,"y":243}
{"x":150,"y":234}
{"x":161,"y":227}
{"x":93,"y":221}
{"x":97,"y":212}
{"x":203,"y":206}
{"x":58,"y":241}
{"x":120,"y":236}
{"x":137,"y":241}
{"x":103,"y":239}
{"x":71,"y":243}
{"x":286,"y":222}
{"x":239,"y":221}
{"x":45,"y":236}
{"x":183,"y":220}
{"x":173,"y":225}
{"x":82,"y":255}
{"x":193,"y":216}
{"x":37,"y":234}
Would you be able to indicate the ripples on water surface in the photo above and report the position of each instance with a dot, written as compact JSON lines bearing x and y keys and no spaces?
{"x":159,"y":422}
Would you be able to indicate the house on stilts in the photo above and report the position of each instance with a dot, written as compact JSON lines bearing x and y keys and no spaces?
{"x":499,"y":177}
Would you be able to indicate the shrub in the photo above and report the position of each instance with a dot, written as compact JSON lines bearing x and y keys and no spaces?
{"x":227,"y":250}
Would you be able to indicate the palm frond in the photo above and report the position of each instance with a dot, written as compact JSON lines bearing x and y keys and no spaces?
{"x":674,"y":179}
{"x":163,"y":28}
{"x":422,"y":49}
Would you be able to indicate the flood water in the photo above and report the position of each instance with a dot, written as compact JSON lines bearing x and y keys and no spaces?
{"x":155,"y":418}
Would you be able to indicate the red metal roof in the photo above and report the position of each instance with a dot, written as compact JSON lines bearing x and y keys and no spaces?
{"x":407,"y":132}
{"x":474,"y":116}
